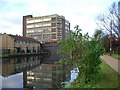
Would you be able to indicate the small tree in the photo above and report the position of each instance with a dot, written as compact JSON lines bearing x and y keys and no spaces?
{"x":90,"y":60}
{"x":72,"y":46}
{"x":84,"y":52}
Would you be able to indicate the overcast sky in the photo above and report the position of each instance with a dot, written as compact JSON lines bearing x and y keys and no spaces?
{"x":81,"y":12}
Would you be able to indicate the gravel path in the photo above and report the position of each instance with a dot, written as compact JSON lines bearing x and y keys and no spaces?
{"x":112,"y":62}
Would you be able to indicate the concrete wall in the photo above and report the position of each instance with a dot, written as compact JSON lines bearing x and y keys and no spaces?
{"x":53,"y":48}
{"x":24,"y":24}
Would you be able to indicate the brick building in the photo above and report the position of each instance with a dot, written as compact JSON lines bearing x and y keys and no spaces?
{"x":11,"y":44}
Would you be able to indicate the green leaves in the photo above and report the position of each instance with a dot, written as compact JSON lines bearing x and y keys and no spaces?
{"x":83,"y":52}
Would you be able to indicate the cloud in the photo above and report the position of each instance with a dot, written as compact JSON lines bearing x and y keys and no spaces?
{"x":81,"y":12}
{"x":11,"y":22}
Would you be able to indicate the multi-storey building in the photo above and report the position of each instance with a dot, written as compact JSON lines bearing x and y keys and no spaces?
{"x":50,"y":28}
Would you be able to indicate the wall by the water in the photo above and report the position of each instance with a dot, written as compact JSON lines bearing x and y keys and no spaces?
{"x":53,"y":49}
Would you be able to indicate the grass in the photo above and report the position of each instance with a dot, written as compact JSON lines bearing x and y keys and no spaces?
{"x":110,"y":77}
{"x":116,"y":56}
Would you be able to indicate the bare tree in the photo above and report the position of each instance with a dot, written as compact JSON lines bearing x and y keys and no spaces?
{"x":110,"y":20}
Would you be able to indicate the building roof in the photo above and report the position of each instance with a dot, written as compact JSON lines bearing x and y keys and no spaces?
{"x":16,"y":37}
{"x":45,"y":16}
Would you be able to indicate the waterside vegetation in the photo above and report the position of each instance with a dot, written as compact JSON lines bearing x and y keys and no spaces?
{"x":83,"y":52}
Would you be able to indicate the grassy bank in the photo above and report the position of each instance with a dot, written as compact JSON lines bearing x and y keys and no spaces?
{"x":109,"y":79}
{"x":116,"y":56}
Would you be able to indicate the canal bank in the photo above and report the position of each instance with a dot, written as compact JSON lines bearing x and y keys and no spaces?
{"x":109,"y":78}
{"x":36,"y":70}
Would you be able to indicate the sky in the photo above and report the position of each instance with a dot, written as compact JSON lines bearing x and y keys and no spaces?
{"x":77,"y":12}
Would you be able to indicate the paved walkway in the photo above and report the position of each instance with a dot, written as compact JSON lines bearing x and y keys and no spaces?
{"x":112,"y":62}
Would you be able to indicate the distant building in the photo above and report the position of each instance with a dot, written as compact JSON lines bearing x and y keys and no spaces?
{"x":50,"y":28}
{"x":11,"y":44}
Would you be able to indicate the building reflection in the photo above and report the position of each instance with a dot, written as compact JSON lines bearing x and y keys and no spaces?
{"x":36,"y":74}
{"x":45,"y":76}
{"x":8,"y":67}
{"x":15,"y":65}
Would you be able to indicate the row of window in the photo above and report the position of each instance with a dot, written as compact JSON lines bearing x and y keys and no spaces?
{"x":45,"y":25}
{"x":38,"y":20}
{"x":44,"y":36}
{"x":45,"y":30}
{"x":22,"y":42}
{"x":38,"y":25}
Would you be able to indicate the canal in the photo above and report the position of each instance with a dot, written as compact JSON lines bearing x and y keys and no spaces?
{"x":35,"y":72}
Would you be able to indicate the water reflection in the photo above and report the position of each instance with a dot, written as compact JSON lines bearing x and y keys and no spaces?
{"x":13,"y":68}
{"x":74,"y":74}
{"x":13,"y":81}
{"x":15,"y":65}
{"x":29,"y":72}
{"x":46,"y":76}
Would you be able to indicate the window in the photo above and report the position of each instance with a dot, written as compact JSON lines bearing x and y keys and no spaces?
{"x":39,"y":30}
{"x":38,"y":20}
{"x":46,"y":30}
{"x":53,"y":36}
{"x":53,"y":19}
{"x":30,"y":31}
{"x":30,"y":21}
{"x":44,"y":36}
{"x":48,"y":35}
{"x":53,"y":29}
{"x":39,"y":36}
{"x":48,"y":24}
{"x":46,"y":19}
{"x":38,"y":25}
{"x":53,"y":24}
{"x":30,"y":26}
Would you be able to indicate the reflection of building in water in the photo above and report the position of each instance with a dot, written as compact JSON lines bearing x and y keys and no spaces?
{"x":28,"y":62}
{"x":8,"y":67}
{"x":45,"y":76}
{"x":16,"y":65}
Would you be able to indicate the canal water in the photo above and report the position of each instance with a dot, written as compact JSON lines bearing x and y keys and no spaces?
{"x":35,"y":72}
